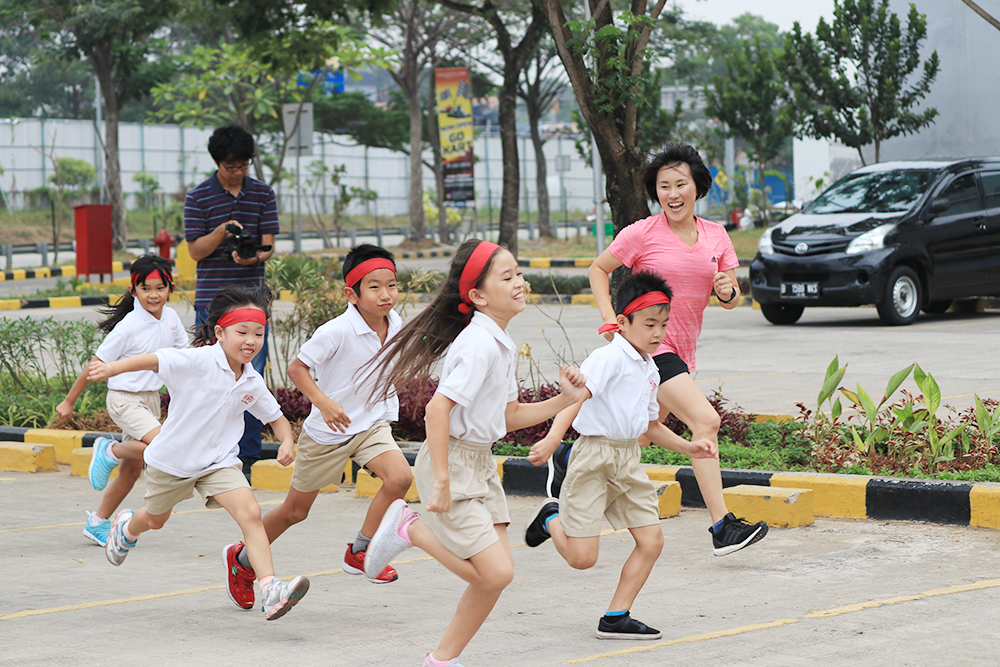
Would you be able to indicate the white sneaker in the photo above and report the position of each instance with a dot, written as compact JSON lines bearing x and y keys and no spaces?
{"x":386,"y":544}
{"x":117,"y":546}
{"x":451,"y":663}
{"x":279,"y":597}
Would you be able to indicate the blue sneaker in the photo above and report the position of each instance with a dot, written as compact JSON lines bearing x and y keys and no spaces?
{"x":96,"y":529}
{"x":100,"y":465}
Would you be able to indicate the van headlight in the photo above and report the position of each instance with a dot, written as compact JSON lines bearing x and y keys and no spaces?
{"x":870,"y":240}
{"x":764,"y":245}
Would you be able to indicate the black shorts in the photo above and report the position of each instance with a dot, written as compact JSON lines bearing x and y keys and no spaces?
{"x":669,"y":365}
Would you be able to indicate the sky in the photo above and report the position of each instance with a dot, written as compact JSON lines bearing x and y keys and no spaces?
{"x":782,"y":12}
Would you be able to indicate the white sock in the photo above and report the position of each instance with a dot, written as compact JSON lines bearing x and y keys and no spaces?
{"x":109,"y":452}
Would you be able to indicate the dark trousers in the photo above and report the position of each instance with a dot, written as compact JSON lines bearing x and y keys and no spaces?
{"x":250,"y":442}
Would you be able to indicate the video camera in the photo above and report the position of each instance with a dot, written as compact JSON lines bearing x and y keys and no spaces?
{"x":243,"y":243}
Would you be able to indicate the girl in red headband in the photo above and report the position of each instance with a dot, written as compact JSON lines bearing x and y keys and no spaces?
{"x":139,"y":323}
{"x":210,"y":388}
{"x":465,"y":527}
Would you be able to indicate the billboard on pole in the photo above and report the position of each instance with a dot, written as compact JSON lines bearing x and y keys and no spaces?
{"x":454,"y":112}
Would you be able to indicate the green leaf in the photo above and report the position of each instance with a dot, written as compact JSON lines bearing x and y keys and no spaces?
{"x":858,"y":443}
{"x":837,"y":410}
{"x":895,"y":381}
{"x":869,"y":406}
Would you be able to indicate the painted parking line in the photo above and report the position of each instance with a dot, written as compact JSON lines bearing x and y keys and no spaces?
{"x":828,"y":613}
{"x":80,"y":523}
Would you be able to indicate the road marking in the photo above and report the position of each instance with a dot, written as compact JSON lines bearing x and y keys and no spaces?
{"x":827,"y":613}
{"x":81,"y":523}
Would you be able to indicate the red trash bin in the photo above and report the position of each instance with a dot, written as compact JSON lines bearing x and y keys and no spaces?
{"x":735,"y":216}
{"x":93,"y":239}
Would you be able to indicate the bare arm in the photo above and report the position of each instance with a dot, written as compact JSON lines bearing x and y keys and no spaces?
{"x":437,"y":422}
{"x":544,"y":448}
{"x":726,"y":286}
{"x":521,"y":415}
{"x":283,"y":432}
{"x":600,"y":284}
{"x":98,"y":371}
{"x":332,"y":411}
{"x":65,"y":409}
{"x":203,"y":246}
{"x":696,"y":449}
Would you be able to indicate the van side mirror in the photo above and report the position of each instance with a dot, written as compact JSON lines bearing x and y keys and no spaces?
{"x":940,"y":205}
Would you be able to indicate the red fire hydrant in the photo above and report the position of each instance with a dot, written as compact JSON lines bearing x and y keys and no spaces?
{"x":164,"y":240}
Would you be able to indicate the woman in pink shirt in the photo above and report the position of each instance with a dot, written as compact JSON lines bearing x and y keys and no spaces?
{"x":696,"y":257}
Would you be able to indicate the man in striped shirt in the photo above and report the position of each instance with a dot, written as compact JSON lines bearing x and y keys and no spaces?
{"x":231,"y":196}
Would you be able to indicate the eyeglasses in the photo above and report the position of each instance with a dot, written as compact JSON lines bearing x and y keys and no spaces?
{"x":233,"y":168}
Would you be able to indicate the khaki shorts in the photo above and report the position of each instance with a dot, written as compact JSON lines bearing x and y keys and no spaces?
{"x":164,"y":491}
{"x":319,"y":465}
{"x":136,"y":413}
{"x":603,"y":478}
{"x":478,"y":502}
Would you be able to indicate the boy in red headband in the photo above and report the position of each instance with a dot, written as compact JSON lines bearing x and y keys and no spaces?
{"x":603,"y":476}
{"x":211,"y":385}
{"x":345,"y":424}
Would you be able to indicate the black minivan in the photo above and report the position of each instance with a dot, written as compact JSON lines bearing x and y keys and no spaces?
{"x":905,"y":236}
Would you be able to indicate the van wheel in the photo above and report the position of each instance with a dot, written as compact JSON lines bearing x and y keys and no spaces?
{"x":777,"y":313}
{"x":935,"y":307}
{"x":900,"y":303}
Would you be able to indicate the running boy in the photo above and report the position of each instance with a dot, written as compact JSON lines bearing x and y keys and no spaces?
{"x":604,"y":475}
{"x":342,"y":424}
{"x":210,"y":388}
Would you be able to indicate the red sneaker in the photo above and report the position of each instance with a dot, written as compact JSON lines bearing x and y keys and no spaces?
{"x":355,"y":564}
{"x":239,"y":579}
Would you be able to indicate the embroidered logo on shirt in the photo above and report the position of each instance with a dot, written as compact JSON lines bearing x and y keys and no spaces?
{"x":714,"y":259}
{"x":247,"y":399}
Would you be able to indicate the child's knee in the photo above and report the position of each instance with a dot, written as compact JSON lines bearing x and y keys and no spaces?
{"x":156,"y":521}
{"x":398,"y":482}
{"x":296,"y":513}
{"x":129,"y":471}
{"x":582,"y":560}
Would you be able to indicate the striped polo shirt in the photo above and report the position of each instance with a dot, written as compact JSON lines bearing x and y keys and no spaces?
{"x":208,"y":206}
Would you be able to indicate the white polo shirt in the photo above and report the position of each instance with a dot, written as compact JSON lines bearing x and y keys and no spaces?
{"x":336,"y":353}
{"x":205,"y":421}
{"x":141,"y":333}
{"x":479,"y":376}
{"x":623,"y":383}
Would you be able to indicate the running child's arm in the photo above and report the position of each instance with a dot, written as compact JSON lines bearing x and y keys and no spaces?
{"x":65,"y":409}
{"x":437,"y":421}
{"x":98,"y":371}
{"x":696,"y":449}
{"x":543,"y":449}
{"x":283,"y":432}
{"x":573,"y":385}
{"x":332,"y":411}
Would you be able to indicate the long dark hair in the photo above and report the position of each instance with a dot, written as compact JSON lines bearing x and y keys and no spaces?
{"x":230,"y":298}
{"x":141,"y":269}
{"x":409,"y":355}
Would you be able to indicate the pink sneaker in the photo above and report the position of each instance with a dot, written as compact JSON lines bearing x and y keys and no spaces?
{"x":390,"y":539}
{"x":430,"y":661}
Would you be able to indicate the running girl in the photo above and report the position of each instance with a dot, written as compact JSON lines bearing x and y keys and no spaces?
{"x":133,"y":398}
{"x":475,"y":404}
{"x":210,"y":388}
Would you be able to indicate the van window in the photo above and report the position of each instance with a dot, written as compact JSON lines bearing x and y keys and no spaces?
{"x":963,"y":195}
{"x":874,"y":192}
{"x":991,"y":186}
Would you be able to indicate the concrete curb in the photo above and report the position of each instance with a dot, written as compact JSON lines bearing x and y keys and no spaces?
{"x":836,"y":496}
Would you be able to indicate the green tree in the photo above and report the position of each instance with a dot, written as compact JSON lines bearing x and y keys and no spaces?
{"x":748,"y":99}
{"x":607,"y":90}
{"x":114,"y":36}
{"x":852,"y":81}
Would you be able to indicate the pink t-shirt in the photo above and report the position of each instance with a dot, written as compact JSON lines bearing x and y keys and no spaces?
{"x":651,"y":245}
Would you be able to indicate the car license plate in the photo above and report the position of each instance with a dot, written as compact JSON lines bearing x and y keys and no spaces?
{"x":800,"y":290}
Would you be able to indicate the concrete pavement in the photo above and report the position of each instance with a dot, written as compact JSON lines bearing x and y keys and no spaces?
{"x":835,"y":593}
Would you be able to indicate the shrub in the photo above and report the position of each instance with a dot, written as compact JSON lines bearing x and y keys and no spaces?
{"x":556,"y":284}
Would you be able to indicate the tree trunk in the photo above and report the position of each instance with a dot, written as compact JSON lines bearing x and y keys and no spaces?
{"x":444,"y":231}
{"x":511,"y":167}
{"x":541,"y":182}
{"x":417,"y":227}
{"x":100,"y":59}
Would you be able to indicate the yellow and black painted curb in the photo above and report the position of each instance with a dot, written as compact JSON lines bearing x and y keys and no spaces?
{"x":67,"y":271}
{"x":836,"y":496}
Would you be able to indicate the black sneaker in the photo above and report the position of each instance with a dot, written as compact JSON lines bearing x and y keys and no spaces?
{"x":557,"y":469}
{"x":535,"y":533}
{"x":736,"y":534}
{"x":625,"y":627}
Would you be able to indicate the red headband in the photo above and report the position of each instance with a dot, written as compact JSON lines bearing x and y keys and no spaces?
{"x":473,"y":268}
{"x":366,"y":267}
{"x":243,"y":315}
{"x":169,"y":279}
{"x":645,"y":301}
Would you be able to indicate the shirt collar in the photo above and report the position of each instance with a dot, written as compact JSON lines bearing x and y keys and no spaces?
{"x":220,"y":358}
{"x":144,"y":315}
{"x":486,"y":322}
{"x":633,"y":353}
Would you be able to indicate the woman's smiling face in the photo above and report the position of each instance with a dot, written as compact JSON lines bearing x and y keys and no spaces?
{"x":676,"y":191}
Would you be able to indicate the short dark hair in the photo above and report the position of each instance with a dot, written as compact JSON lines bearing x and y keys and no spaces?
{"x":639,"y":283}
{"x":231,"y":142}
{"x":361,"y":253}
{"x":671,"y":156}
